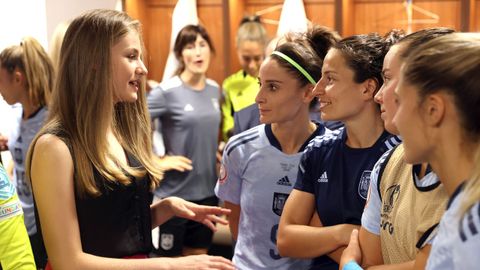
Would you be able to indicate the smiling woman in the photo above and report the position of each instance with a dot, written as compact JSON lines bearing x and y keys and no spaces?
{"x":335,"y":168}
{"x":390,"y":236}
{"x":126,"y":58}
{"x":91,"y":167}
{"x":260,"y":165}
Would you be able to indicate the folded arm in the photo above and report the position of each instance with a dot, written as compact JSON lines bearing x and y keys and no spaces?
{"x":295,"y":233}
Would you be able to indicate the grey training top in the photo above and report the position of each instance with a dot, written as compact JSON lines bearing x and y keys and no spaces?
{"x":189,"y":124}
{"x":18,"y":144}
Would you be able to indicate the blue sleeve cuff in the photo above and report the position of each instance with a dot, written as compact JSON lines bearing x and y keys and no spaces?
{"x":352,"y":265}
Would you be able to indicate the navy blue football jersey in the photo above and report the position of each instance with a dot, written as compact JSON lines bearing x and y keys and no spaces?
{"x":339,"y":177}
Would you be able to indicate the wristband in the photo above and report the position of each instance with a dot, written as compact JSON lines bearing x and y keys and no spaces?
{"x":352,"y":265}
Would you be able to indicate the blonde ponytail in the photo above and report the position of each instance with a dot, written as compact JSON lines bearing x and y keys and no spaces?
{"x":38,"y":71}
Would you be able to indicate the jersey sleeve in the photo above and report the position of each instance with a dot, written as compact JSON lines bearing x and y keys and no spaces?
{"x":237,"y":124}
{"x":466,"y":249}
{"x":227,"y":113}
{"x":304,"y":176}
{"x":371,"y":212}
{"x":246,"y":119}
{"x":15,"y":250}
{"x":156,"y":102}
{"x":229,"y":183}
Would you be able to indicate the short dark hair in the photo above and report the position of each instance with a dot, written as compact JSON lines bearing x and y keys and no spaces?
{"x":186,"y":36}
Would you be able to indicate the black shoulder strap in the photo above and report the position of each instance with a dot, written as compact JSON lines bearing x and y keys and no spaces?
{"x":426,"y":235}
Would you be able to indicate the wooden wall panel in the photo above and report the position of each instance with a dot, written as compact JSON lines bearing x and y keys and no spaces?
{"x":160,"y":18}
{"x":210,"y":14}
{"x":321,"y":12}
{"x":368,"y":17}
{"x":251,"y":7}
{"x":476,"y":23}
{"x":318,"y":11}
{"x":138,"y":10}
{"x":345,"y":20}
{"x":221,"y":18}
{"x":236,"y":11}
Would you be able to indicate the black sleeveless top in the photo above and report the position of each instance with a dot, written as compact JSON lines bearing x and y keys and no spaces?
{"x":117,"y":223}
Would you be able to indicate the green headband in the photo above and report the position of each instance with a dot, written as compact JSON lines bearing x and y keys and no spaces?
{"x":296,"y":65}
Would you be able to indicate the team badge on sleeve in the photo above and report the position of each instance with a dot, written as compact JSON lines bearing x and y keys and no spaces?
{"x":364,"y":184}
{"x":223,"y":174}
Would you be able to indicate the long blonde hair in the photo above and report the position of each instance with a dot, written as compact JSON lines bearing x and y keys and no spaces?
{"x":83,"y":107}
{"x":31,"y":59}
{"x":56,"y":42}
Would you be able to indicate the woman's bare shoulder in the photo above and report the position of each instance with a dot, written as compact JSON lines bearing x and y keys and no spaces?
{"x":51,"y":145}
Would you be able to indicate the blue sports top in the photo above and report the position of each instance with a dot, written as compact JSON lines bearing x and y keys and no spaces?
{"x":339,"y":177}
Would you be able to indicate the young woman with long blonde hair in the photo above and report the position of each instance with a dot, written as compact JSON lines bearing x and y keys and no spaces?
{"x":91,"y":166}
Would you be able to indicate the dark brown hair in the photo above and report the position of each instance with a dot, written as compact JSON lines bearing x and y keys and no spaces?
{"x":364,"y":54}
{"x":308,"y":50}
{"x":186,"y":36}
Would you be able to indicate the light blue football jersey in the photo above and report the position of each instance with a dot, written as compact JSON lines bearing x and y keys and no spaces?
{"x":258,"y":176}
{"x":457,"y":244}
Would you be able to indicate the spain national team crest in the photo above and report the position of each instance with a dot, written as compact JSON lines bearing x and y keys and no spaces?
{"x":279,"y":200}
{"x":166,"y":241}
{"x":223,"y":174}
{"x":364,"y":184}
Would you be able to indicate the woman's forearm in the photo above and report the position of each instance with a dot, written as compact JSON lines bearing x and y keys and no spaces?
{"x":304,"y":241}
{"x":161,"y":211}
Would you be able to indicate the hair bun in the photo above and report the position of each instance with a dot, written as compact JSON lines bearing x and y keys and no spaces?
{"x":250,"y":18}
